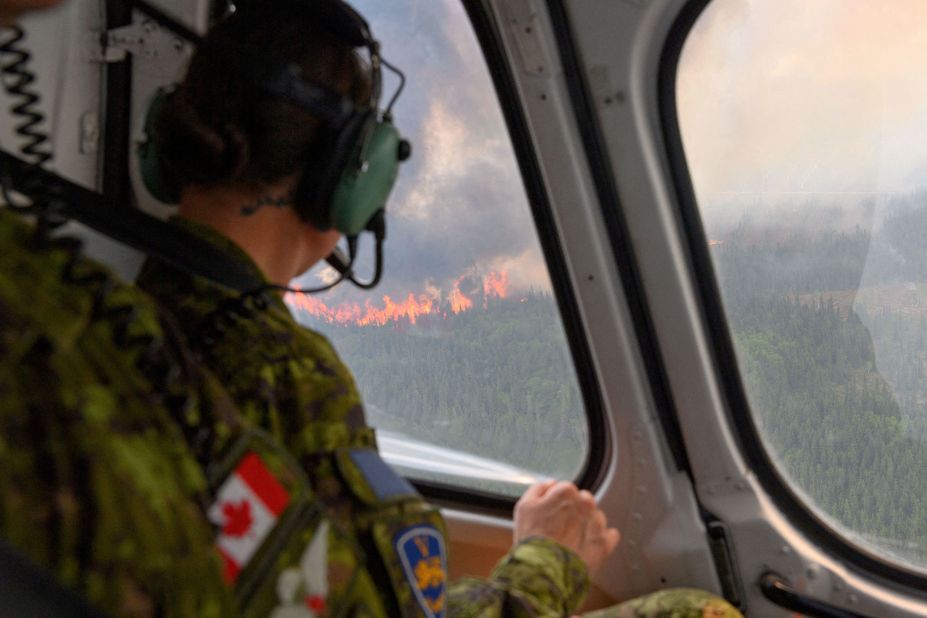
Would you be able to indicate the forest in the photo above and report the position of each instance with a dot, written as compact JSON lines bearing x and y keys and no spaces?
{"x":830,"y":330}
{"x":829,"y":324}
{"x":495,"y":381}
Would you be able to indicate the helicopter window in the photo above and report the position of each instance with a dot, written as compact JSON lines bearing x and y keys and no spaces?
{"x":802,"y":125}
{"x":460,"y":353}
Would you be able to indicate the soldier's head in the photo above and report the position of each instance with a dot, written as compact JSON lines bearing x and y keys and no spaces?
{"x":218,"y":130}
{"x":10,"y":10}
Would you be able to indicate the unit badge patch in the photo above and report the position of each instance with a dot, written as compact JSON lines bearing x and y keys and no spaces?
{"x":422,"y":553}
{"x":302,"y":591}
{"x":246,"y":509}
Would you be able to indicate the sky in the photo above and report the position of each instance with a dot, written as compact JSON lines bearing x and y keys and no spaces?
{"x":775,"y":98}
{"x":823,"y":96}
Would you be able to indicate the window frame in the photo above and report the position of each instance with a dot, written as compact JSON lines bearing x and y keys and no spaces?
{"x":599,"y":449}
{"x":592,"y":136}
{"x":714,"y":320}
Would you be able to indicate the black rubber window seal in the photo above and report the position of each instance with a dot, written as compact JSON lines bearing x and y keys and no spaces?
{"x":714,"y":320}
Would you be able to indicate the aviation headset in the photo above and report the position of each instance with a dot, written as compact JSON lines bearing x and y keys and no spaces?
{"x":349,"y":192}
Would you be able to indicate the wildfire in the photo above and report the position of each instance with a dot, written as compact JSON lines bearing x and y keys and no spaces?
{"x":494,"y":285}
{"x":459,"y":302}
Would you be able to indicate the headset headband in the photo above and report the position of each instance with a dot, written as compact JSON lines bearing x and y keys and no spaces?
{"x":285,"y":80}
{"x":337,"y":17}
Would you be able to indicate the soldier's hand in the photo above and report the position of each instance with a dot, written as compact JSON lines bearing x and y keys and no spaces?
{"x":561,"y":512}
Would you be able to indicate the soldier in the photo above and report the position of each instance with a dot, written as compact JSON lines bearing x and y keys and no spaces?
{"x":123,"y":467}
{"x":258,"y":176}
{"x":125,"y":470}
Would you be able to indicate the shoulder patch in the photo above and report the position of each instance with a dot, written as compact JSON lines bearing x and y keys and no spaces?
{"x":246,"y":509}
{"x":383,"y":481}
{"x":303,"y":591}
{"x":424,"y":563}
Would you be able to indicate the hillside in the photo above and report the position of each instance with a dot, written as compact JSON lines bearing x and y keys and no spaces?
{"x":830,"y":330}
{"x":495,"y":381}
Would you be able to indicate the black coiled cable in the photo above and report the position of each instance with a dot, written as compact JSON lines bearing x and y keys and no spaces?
{"x":18,"y":81}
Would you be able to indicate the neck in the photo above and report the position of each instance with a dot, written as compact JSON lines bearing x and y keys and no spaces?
{"x":262,"y":223}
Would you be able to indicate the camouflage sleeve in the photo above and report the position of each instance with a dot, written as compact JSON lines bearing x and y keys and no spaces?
{"x":671,"y":603}
{"x":537,"y":578}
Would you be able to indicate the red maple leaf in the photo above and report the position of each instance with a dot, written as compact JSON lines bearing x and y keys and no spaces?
{"x":315,"y":603}
{"x":238,"y":518}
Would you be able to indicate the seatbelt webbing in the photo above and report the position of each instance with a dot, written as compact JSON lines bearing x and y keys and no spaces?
{"x":135,"y":228}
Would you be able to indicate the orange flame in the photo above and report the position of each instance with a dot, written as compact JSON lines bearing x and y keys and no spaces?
{"x":495,"y":285}
{"x":459,"y":302}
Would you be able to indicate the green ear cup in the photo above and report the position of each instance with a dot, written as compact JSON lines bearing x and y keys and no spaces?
{"x":149,"y":160}
{"x":359,"y":194}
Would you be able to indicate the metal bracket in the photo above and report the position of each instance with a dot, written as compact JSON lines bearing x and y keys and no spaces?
{"x":143,"y":39}
{"x":523,"y":18}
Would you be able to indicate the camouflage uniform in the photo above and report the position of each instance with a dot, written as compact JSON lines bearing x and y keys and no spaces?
{"x":672,"y":603}
{"x":123,"y":466}
{"x":96,"y":480}
{"x":291,"y":383}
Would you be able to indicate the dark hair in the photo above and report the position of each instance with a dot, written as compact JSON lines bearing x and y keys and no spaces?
{"x":219,"y":129}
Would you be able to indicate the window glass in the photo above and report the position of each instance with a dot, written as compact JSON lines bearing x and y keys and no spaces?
{"x":459,"y":353}
{"x":804,"y":128}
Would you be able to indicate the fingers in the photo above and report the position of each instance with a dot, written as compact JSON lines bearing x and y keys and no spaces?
{"x":612,"y":538}
{"x":560,"y":511}
{"x":561,"y":490}
{"x":587,"y":499}
{"x":599,"y":520}
{"x":538,"y":489}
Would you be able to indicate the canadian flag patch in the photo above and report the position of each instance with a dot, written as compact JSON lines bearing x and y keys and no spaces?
{"x":247,"y":506}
